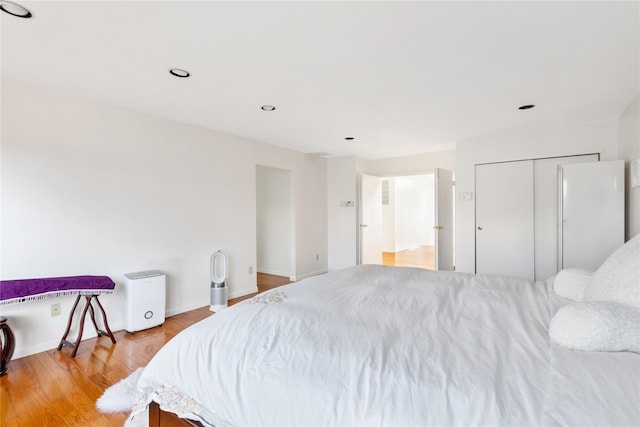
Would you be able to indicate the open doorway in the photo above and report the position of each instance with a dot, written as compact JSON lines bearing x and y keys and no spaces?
{"x":274,"y":224}
{"x":407,"y":220}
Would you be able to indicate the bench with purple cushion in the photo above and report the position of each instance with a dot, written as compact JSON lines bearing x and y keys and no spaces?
{"x":89,"y":287}
{"x":12,"y":291}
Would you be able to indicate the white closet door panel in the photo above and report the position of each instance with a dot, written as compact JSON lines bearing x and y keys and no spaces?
{"x":504,"y":219}
{"x":592,"y":213}
{"x":545,"y":172}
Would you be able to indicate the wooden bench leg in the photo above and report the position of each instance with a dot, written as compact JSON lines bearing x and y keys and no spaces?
{"x":99,"y":331}
{"x":66,"y":332}
{"x":75,"y":345}
{"x":87,"y":307}
{"x":104,"y":321}
{"x":92,"y":314}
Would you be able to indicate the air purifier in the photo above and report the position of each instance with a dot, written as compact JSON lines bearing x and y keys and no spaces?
{"x":218,"y":270}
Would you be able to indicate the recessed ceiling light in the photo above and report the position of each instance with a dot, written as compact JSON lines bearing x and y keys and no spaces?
{"x":526,"y":107}
{"x":349,"y":138}
{"x":179,"y":73}
{"x":267,"y":108}
{"x":14,"y":9}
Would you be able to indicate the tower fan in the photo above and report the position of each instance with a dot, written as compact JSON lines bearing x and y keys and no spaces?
{"x":218,"y":281}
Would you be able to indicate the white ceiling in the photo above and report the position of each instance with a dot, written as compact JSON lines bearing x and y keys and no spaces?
{"x":400,"y":77}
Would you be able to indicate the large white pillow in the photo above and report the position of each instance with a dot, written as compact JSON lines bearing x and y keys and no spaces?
{"x":571,"y":283}
{"x":597,"y":326}
{"x":618,"y":278}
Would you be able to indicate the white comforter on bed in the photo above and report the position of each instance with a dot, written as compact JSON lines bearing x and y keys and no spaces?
{"x":369,"y":345}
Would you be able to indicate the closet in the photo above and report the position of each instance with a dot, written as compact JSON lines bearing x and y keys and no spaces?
{"x":516,"y":216}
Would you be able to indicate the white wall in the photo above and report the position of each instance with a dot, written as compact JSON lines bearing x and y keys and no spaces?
{"x":389,"y":219}
{"x":342,"y":221}
{"x":599,"y":137}
{"x":273,"y":222}
{"x":309,"y":175}
{"x":92,"y":189}
{"x":413,"y":165}
{"x":629,"y":146}
{"x":414,"y":211}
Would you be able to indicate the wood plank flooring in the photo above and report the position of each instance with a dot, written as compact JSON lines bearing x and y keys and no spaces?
{"x":52,"y":389}
{"x":423,"y":257}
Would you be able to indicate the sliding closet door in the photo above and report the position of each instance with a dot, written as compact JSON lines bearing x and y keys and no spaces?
{"x":504,"y":219}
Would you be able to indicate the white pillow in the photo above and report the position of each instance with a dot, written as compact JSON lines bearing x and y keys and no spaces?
{"x":571,"y":283}
{"x":597,"y":326}
{"x":618,"y":278}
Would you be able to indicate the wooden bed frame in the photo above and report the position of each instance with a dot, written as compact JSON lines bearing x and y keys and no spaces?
{"x":160,"y":418}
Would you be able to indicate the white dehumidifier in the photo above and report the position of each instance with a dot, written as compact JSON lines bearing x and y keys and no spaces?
{"x":146,"y":297}
{"x":218,"y":281}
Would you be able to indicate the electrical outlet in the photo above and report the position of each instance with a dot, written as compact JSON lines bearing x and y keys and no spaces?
{"x":250,"y":269}
{"x":55,"y":310}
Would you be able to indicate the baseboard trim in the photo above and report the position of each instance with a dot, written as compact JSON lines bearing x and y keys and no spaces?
{"x":179,"y":310}
{"x":310,"y":274}
{"x":52,"y":345}
{"x":273,"y":272}
{"x":230,"y":295}
{"x":28,"y":351}
{"x":243,"y":292}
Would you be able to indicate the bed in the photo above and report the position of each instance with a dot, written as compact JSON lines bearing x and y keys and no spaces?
{"x":376,"y":345}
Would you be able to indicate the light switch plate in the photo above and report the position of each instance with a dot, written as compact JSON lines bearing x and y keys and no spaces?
{"x":466,"y":196}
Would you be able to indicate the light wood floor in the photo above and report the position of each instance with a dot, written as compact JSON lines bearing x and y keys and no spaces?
{"x":52,"y":389}
{"x":423,"y":257}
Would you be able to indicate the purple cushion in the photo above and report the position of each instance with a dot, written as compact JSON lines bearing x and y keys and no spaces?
{"x":29,"y":289}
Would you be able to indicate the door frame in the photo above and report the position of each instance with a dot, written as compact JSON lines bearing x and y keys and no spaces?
{"x":359,"y":208}
{"x":522,"y":266}
{"x":291,"y":228}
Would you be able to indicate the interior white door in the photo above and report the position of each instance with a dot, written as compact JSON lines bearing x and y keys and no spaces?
{"x":444,"y":219}
{"x":370,"y":226}
{"x":504,"y":219}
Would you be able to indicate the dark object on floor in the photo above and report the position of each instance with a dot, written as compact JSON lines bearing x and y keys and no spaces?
{"x":8,"y":345}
